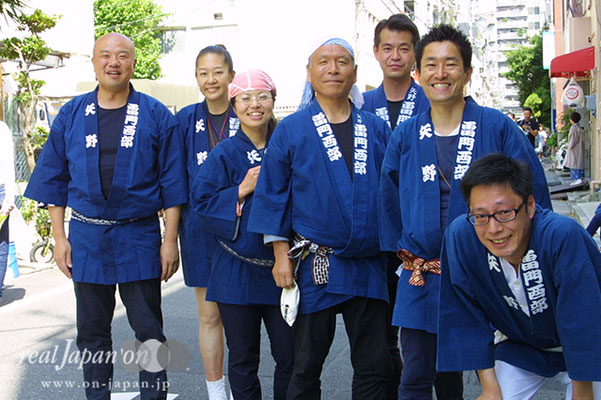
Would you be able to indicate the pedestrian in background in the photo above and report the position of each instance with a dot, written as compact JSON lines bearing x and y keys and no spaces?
{"x":575,"y":152}
{"x":7,"y":194}
{"x":541,"y":141}
{"x":529,"y":125}
{"x":205,"y":125}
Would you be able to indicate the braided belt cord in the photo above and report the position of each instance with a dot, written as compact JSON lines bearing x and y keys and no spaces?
{"x":321,"y":262}
{"x":255,"y":261}
{"x":98,"y":221}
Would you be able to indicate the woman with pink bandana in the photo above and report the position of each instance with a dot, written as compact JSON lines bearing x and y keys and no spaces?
{"x":241,"y":282}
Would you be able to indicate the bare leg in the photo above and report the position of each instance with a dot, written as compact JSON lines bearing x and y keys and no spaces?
{"x":210,"y":335}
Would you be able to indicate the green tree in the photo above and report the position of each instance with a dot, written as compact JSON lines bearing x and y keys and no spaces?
{"x":138,"y":20}
{"x":26,"y":52}
{"x":526,"y":71}
{"x":11,"y":9}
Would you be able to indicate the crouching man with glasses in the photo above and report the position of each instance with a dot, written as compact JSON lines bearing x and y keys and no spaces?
{"x":520,"y":290}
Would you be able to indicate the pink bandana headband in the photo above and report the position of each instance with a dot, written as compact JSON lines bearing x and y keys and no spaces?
{"x":253,"y":79}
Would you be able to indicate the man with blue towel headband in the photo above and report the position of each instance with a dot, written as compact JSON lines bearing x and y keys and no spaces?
{"x":314,"y":203}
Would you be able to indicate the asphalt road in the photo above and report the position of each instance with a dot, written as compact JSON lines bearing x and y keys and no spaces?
{"x":37,"y":357}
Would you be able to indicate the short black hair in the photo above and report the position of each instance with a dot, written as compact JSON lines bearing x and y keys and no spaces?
{"x":575,"y":116}
{"x":497,"y":168}
{"x":396,"y":23}
{"x":527,"y":109}
{"x":443,"y":33}
{"x":216,"y":49}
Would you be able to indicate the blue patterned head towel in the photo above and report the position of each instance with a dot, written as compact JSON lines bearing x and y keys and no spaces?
{"x":308,"y":92}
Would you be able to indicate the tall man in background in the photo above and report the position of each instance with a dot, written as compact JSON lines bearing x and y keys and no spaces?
{"x":397,"y":99}
{"x":114,"y":156}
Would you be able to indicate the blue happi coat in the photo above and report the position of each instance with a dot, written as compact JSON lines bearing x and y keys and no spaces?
{"x":196,"y":243}
{"x":561,"y":274}
{"x":149,"y":176}
{"x":415,"y":103}
{"x":305,"y":187}
{"x":409,"y":196}
{"x":241,"y":266}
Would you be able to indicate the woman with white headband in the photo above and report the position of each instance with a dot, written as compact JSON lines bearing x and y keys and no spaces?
{"x":241,"y":282}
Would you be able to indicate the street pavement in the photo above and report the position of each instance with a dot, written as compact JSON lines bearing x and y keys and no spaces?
{"x":37,"y":358}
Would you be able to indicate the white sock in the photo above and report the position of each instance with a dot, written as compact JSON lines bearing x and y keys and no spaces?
{"x":216,"y":389}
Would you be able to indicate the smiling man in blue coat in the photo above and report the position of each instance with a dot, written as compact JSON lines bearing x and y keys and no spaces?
{"x":114,"y":156}
{"x":520,"y":291}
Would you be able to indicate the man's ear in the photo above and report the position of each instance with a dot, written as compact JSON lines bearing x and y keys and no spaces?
{"x":531,"y":206}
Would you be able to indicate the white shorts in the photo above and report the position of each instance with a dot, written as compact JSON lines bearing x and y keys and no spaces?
{"x":519,"y":384}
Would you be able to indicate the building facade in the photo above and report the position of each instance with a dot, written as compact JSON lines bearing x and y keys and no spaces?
{"x":577,"y":37}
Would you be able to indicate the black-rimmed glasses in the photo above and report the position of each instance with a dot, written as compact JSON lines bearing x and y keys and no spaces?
{"x":502,"y":216}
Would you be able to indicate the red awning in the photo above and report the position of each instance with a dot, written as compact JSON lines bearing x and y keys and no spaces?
{"x":576,"y":63}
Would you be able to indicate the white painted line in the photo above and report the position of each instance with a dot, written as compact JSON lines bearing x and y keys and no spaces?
{"x":133,"y":395}
{"x":124,"y":396}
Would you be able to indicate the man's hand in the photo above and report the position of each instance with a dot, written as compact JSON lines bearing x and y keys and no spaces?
{"x":62,"y":256}
{"x":169,"y":249}
{"x":62,"y":247}
{"x":283,"y":269}
{"x":282,"y":272}
{"x":169,"y":259}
